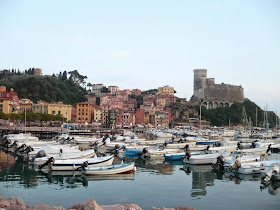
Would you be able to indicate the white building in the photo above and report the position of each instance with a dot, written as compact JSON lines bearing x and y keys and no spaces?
{"x":96,"y":89}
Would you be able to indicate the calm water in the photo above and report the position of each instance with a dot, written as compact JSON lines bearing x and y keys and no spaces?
{"x":155,"y":183}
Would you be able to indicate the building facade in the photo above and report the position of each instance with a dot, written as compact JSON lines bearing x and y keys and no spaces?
{"x":84,"y":113}
{"x":61,"y":109}
{"x":214,"y":95}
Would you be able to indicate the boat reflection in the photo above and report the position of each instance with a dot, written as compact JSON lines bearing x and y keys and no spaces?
{"x":175,"y":163}
{"x":6,"y":161}
{"x":85,"y":179}
{"x":17,"y":173}
{"x":272,"y":187}
{"x":202,"y":177}
{"x":156,"y":166}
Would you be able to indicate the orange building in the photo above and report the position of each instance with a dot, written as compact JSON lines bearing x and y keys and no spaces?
{"x":84,"y":112}
{"x":25,"y":104}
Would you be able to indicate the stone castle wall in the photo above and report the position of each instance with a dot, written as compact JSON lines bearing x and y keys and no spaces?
{"x":207,"y":91}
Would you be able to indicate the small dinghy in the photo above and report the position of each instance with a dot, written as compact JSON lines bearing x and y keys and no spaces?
{"x":109,"y":169}
{"x":272,"y":173}
{"x":213,"y":150}
{"x":64,"y":156}
{"x":251,"y":168}
{"x":179,"y":156}
{"x":204,"y":159}
{"x":76,"y":164}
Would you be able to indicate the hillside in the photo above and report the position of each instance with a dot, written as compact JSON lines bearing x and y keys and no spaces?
{"x":223,"y":115}
{"x":49,"y":89}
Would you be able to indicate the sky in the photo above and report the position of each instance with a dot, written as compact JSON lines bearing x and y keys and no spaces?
{"x":148,"y":44}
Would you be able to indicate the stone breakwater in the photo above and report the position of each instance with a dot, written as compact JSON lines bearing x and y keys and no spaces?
{"x":90,"y":204}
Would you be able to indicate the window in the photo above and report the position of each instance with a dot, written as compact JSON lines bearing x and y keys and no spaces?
{"x":53,"y":112}
{"x":59,"y":112}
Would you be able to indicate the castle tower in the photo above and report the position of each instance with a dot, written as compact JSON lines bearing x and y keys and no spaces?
{"x":200,"y":76}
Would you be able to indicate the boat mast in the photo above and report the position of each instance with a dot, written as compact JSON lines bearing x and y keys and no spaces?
{"x":25,"y":120}
{"x":256,"y":117}
{"x":200,"y":117}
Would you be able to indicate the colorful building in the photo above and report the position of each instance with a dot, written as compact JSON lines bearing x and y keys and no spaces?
{"x":166,"y":90}
{"x":41,"y":107}
{"x":61,"y":109}
{"x":84,"y":113}
{"x":25,"y":104}
{"x":136,"y":92}
{"x":140,"y":116}
{"x":113,"y":89}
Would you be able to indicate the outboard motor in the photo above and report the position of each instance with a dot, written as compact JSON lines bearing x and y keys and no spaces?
{"x":219,"y":162}
{"x":144,"y":152}
{"x":188,"y":155}
{"x":15,"y":144}
{"x":272,"y":172}
{"x":207,"y":148}
{"x":50,"y":160}
{"x":186,"y":148}
{"x":238,"y":145}
{"x":82,"y":167}
{"x":41,"y":154}
{"x":115,"y":149}
{"x":268,"y":149}
{"x":180,"y":141}
{"x":7,"y":142}
{"x":235,"y":166}
{"x":28,"y":149}
{"x":253,"y":144}
{"x":22,"y":147}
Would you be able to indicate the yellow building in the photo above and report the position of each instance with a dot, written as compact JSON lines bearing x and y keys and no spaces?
{"x":25,"y":104}
{"x":97,"y":115}
{"x":5,"y":105}
{"x":61,"y":109}
{"x":84,"y":112}
{"x":160,"y":101}
{"x":166,"y":90}
{"x":41,"y":107}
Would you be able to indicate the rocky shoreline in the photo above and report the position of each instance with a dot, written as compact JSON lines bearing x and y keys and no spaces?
{"x":18,"y":204}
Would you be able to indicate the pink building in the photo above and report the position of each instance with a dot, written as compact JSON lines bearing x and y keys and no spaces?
{"x":148,"y":99}
{"x":140,"y":116}
{"x":136,"y":92}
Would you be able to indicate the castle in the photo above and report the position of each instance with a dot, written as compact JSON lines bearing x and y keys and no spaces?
{"x":214,"y":95}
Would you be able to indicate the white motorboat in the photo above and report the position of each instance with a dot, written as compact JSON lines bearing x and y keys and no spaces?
{"x":198,"y":148}
{"x":76,"y":164}
{"x":252,"y":167}
{"x":212,"y":150}
{"x":272,"y":172}
{"x":160,"y":153}
{"x":204,"y":159}
{"x":109,"y":169}
{"x":52,"y":150}
{"x":254,"y":151}
{"x":179,"y":145}
{"x":65,"y":156}
{"x":87,"y":140}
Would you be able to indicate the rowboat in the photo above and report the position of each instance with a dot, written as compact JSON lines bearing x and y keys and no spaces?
{"x":76,"y":164}
{"x":204,"y":159}
{"x":109,"y":169}
{"x":221,"y":149}
{"x":179,"y":156}
{"x":65,"y":156}
{"x":252,"y":168}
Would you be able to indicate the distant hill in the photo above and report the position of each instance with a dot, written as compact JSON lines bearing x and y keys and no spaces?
{"x":49,"y":89}
{"x":224,"y":115}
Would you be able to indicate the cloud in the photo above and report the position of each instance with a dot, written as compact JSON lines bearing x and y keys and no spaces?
{"x":123,"y":53}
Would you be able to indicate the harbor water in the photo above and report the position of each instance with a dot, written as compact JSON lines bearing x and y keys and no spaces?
{"x":155,"y":183}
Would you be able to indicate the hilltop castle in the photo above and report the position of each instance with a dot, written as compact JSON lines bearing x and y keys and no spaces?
{"x":214,"y":95}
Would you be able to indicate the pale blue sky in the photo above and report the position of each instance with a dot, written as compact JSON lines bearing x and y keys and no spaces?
{"x":147,"y":44}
